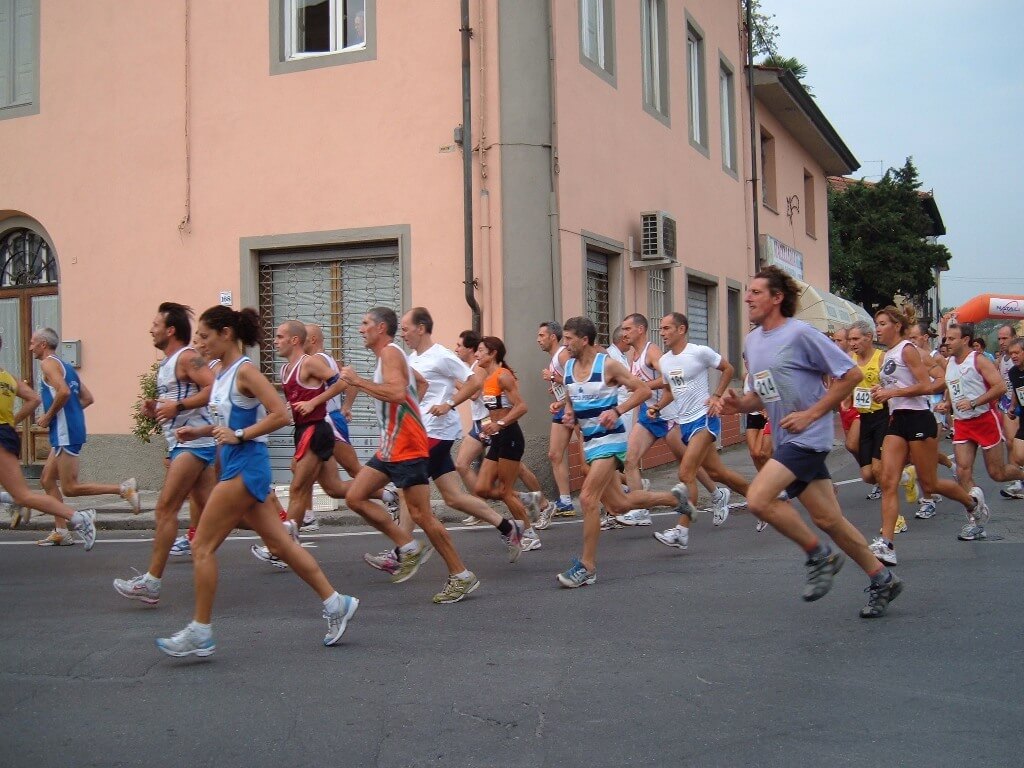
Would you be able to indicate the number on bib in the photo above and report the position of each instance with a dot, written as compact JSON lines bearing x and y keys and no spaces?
{"x":1020,"y":395}
{"x":557,"y":390}
{"x":677,"y":382}
{"x":956,"y":389}
{"x":862,"y":398}
{"x":765,"y":387}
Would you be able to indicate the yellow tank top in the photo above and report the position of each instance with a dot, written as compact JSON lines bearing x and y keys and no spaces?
{"x":8,"y":391}
{"x":862,"y":393}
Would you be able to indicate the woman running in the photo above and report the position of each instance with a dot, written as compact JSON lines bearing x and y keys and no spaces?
{"x":245,"y":408}
{"x":21,"y":499}
{"x":905,"y":385}
{"x":505,"y":407}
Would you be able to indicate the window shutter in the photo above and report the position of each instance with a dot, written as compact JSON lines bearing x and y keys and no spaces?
{"x":6,"y":53}
{"x":24,"y":52}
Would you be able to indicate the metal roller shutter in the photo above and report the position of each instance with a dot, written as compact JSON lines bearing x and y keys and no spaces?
{"x":697,"y":312}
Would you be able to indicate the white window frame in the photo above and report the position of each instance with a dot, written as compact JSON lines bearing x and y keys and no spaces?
{"x":695,"y":85}
{"x":726,"y":86}
{"x":653,"y":76}
{"x":337,"y":20}
{"x":592,"y":12}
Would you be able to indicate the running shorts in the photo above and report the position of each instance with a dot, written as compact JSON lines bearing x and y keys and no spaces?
{"x":806,"y":464}
{"x":70,"y":450}
{"x":206,"y":455}
{"x":984,"y":430}
{"x":251,"y":461}
{"x":439,"y":461}
{"x":657,"y":427}
{"x":340,"y":427}
{"x":690,"y":428}
{"x":873,"y":427}
{"x":756,"y":421}
{"x":10,"y":441}
{"x":508,"y":444}
{"x":404,"y":474}
{"x":314,"y":436}
{"x":912,"y":424}
{"x":848,"y":416}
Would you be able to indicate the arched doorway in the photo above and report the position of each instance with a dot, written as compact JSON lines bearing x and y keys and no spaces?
{"x":28,"y":301}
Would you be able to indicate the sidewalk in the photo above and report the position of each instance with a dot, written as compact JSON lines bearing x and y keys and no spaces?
{"x":114,"y":513}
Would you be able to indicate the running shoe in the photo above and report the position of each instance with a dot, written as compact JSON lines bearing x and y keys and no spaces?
{"x":576,"y":575}
{"x":926,"y":510}
{"x":19,"y":514}
{"x":901,"y":524}
{"x":760,"y":525}
{"x":544,"y":518}
{"x":720,"y":499}
{"x":389,"y":495}
{"x":981,"y":512}
{"x":875,"y":493}
{"x":409,"y":563}
{"x":310,"y":524}
{"x":138,"y":588}
{"x":514,"y":541}
{"x":130,"y":493}
{"x":564,"y":510}
{"x":181,"y":547}
{"x":952,"y":462}
{"x":1014,"y":490}
{"x":83,"y":525}
{"x":610,"y":522}
{"x":337,"y":622}
{"x":262,"y":554}
{"x":530,"y":543}
{"x":684,"y":507}
{"x":386,"y":561}
{"x":635,"y":517}
{"x":972,"y":532}
{"x":59,"y":537}
{"x":186,"y":643}
{"x":470,"y":520}
{"x":677,"y":537}
{"x":909,"y":482}
{"x":883,"y":550}
{"x":455,"y":589}
{"x":821,"y":572}
{"x":879,"y":597}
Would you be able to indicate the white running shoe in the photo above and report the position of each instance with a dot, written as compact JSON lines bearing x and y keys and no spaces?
{"x":760,"y":525}
{"x":138,"y":588}
{"x":981,"y":512}
{"x":310,"y":524}
{"x":1014,"y":490}
{"x":389,"y":495}
{"x":531,"y":500}
{"x":544,"y":517}
{"x":886,"y":553}
{"x":635,"y":517}
{"x":721,"y":502}
{"x":337,"y":622}
{"x":470,"y":520}
{"x":262,"y":554}
{"x":181,"y":547}
{"x":530,"y":543}
{"x":83,"y":525}
{"x":186,"y":643}
{"x":130,"y":493}
{"x":677,"y":537}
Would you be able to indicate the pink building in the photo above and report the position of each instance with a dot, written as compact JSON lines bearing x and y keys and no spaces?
{"x":304,"y":156}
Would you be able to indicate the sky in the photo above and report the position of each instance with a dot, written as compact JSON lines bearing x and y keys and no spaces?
{"x":940,"y":81}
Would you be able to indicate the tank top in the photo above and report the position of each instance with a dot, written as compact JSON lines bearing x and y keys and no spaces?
{"x":170,"y":387}
{"x":591,"y":398}
{"x":8,"y":391}
{"x":477,"y":408}
{"x":965,"y":382}
{"x":896,"y":375}
{"x":402,"y":435}
{"x":872,"y":371}
{"x":645,"y":373}
{"x":494,"y":396}
{"x":297,"y":392}
{"x":334,"y":404}
{"x":558,"y":390}
{"x":68,"y":426}
{"x":229,"y":407}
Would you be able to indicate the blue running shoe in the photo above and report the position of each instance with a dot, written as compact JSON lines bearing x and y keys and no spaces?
{"x":576,"y":575}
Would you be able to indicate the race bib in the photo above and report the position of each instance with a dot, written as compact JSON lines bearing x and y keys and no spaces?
{"x":677,"y":382}
{"x":956,"y":389}
{"x":1020,"y":396}
{"x":765,"y":387}
{"x":862,"y":398}
{"x":491,"y":402}
{"x":215,"y":415}
{"x":557,"y":390}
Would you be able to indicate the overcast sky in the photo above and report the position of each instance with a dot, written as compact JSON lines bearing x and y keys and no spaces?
{"x":941,"y":81}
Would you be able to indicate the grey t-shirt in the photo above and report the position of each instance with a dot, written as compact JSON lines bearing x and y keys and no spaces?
{"x":785,"y":367}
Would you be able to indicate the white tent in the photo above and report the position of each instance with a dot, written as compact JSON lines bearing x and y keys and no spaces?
{"x":826,"y":311}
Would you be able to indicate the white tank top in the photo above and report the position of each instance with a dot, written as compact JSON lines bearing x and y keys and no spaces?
{"x":558,"y":390}
{"x":477,"y":408}
{"x":169,"y":387}
{"x":965,"y":382}
{"x":334,"y":404}
{"x":645,"y":373}
{"x":229,"y":407}
{"x":896,"y":375}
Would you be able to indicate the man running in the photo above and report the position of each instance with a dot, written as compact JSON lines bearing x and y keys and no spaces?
{"x":973,"y":384}
{"x":1008,"y":403}
{"x":592,"y":380}
{"x":549,"y":339}
{"x":65,"y":398}
{"x":403,"y":457}
{"x":1016,"y":376}
{"x":787,"y":359}
{"x":183,"y":384}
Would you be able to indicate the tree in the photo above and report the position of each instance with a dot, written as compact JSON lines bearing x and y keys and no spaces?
{"x":877,"y":246}
{"x":793,"y":64}
{"x":766,"y":43}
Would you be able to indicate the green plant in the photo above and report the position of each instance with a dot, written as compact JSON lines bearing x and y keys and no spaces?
{"x":145,"y":425}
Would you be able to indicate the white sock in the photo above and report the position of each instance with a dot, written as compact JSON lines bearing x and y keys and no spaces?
{"x":530,"y":532}
{"x":151,"y":579}
{"x":333,"y":603}
{"x":566,"y":499}
{"x":410,"y":549}
{"x":463,"y":575}
{"x":202,"y":630}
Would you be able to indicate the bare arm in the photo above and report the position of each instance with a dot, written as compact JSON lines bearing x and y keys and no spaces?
{"x":85,"y":397}
{"x":394,"y":373}
{"x":30,"y":401}
{"x":421,"y":385}
{"x":252,"y":383}
{"x":189,"y":367}
{"x":315,"y":367}
{"x":53,"y":372}
{"x":841,"y":388}
{"x":994,"y":381}
{"x":466,"y":390}
{"x":715,"y":401}
{"x":924,"y":386}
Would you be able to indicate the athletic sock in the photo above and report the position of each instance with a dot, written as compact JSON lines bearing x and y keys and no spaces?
{"x":151,"y":579}
{"x":462,"y":575}
{"x":409,"y":549}
{"x":564,"y":500}
{"x":529,"y":532}
{"x":204,"y":631}
{"x":504,"y":527}
{"x":333,"y":603}
{"x":882,"y":576}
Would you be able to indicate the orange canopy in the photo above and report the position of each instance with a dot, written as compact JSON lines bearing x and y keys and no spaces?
{"x":991,"y":305}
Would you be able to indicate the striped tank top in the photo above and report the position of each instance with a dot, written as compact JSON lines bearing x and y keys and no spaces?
{"x":590,"y":398}
{"x":402,"y":435}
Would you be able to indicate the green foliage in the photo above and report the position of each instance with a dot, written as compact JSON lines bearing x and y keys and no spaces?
{"x":146,"y":427}
{"x":765,"y":31}
{"x":876,"y":240}
{"x":793,"y":64}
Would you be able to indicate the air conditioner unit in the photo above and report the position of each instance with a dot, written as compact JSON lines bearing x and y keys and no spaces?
{"x":657,"y":237}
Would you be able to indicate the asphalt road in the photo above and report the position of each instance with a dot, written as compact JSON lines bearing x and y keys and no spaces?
{"x":703,"y":658}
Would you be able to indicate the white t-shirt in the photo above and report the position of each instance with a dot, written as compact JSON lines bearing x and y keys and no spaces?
{"x":441,"y":369}
{"x":687,"y":375}
{"x":618,"y":356}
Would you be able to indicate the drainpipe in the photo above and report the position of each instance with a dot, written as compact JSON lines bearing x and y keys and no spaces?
{"x":754,"y":177}
{"x":554,"y":215}
{"x":467,"y":168}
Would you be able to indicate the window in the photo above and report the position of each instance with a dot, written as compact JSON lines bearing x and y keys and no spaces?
{"x":768,"y":194}
{"x":726,"y":101}
{"x":597,"y":37}
{"x":307,"y":34}
{"x":809,"y":222}
{"x":696,"y":97}
{"x":19,"y":57}
{"x":659,"y":300}
{"x":654,"y":48}
{"x":735,"y":330}
{"x":698,"y":311}
{"x":597,"y":301}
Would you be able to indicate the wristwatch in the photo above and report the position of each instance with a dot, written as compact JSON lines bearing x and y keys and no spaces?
{"x":450,"y":403}
{"x":500,"y":423}
{"x":240,"y":434}
{"x":973,"y":406}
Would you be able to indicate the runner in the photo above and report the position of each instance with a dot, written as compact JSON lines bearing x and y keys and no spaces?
{"x":841,"y":338}
{"x":549,"y":339}
{"x":870,"y":420}
{"x":974,"y":384}
{"x":401,"y":458}
{"x":912,"y":431}
{"x":787,"y":359}
{"x":183,"y":384}
{"x":1007,"y":403}
{"x":1016,"y":375}
{"x":21,"y":499}
{"x":65,"y":398}
{"x":591,"y":382}
{"x":245,"y":408}
{"x":921,"y":335}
